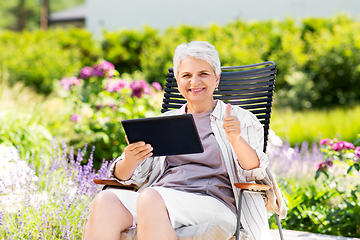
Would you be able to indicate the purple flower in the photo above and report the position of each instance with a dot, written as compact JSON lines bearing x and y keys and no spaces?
{"x":157,"y":86}
{"x":67,"y":82}
{"x":357,"y":151}
{"x":139,"y":87}
{"x":104,"y":68}
{"x":329,"y":163}
{"x":86,"y":72}
{"x":116,"y":85}
{"x":97,"y":71}
{"x":321,"y":166}
{"x":75,"y":118}
{"x":324,"y":165}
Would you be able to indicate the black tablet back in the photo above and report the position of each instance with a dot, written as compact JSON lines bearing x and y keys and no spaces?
{"x":168,"y":135}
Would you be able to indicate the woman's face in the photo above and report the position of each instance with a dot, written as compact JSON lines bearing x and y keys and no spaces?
{"x":196,"y":82}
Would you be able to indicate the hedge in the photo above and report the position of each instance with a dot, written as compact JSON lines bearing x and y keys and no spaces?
{"x":318,"y":59}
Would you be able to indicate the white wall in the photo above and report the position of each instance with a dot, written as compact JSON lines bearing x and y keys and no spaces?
{"x":159,"y":14}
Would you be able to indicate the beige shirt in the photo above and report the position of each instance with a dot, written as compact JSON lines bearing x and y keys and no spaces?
{"x":151,"y":169}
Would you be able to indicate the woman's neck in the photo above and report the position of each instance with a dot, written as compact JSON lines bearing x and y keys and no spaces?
{"x":200,"y":108}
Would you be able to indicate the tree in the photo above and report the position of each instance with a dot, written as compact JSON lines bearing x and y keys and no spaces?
{"x":26,"y":14}
{"x":44,"y":14}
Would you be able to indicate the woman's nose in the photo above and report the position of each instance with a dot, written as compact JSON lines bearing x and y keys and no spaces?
{"x":194,"y":80}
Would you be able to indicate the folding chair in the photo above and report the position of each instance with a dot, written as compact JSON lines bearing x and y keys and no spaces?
{"x":250,"y":87}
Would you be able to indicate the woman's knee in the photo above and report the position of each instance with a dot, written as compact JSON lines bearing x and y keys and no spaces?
{"x":104,"y":199}
{"x":150,"y":199}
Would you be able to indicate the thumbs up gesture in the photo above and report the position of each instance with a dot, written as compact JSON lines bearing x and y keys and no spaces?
{"x":231,"y":125}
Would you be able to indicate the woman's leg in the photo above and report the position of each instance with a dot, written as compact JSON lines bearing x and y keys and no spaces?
{"x":108,"y":218}
{"x":153,"y":222}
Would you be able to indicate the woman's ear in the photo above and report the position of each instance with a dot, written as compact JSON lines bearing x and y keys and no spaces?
{"x":217,"y":81}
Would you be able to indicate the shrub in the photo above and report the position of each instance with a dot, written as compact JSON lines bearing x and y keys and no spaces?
{"x":124,"y":48}
{"x":100,"y":101}
{"x":334,"y":55}
{"x":39,"y":57}
{"x":329,"y":204}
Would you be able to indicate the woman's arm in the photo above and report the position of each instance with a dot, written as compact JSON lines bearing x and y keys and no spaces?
{"x":246,"y":155}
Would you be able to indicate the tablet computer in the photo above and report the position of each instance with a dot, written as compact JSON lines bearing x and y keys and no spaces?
{"x":168,"y":135}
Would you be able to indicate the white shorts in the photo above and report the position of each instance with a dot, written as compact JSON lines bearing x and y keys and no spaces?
{"x":184,"y":208}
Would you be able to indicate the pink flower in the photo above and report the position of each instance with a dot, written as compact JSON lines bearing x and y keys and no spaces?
{"x":105,"y":68}
{"x":68,"y":82}
{"x":139,"y":87}
{"x":157,"y":86}
{"x":338,"y":146}
{"x":325,"y":141}
{"x":116,"y":85}
{"x":75,"y":118}
{"x":357,"y":151}
{"x":86,"y":72}
{"x":342,"y":145}
{"x":348,"y":145}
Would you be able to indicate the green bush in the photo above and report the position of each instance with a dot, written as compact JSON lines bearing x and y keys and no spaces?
{"x":124,"y":48}
{"x":333,"y":65}
{"x":317,"y":59}
{"x":38,"y":57}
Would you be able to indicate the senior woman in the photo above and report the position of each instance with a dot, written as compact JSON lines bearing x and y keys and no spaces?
{"x":188,"y":189}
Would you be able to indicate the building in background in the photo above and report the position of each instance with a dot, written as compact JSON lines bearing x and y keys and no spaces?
{"x":160,"y":14}
{"x":73,"y":17}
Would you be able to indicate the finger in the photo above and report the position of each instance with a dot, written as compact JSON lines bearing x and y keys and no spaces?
{"x":127,"y":140}
{"x":228,"y":109}
{"x":135,"y":145}
{"x":145,"y":153}
{"x":141,"y":149}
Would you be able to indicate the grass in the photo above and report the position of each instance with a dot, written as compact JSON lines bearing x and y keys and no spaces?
{"x":313,"y":125}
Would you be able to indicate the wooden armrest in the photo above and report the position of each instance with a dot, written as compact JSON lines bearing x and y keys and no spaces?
{"x":113,"y":182}
{"x":252,"y":186}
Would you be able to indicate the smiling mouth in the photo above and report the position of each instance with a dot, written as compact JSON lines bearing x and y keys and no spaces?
{"x":196,"y":90}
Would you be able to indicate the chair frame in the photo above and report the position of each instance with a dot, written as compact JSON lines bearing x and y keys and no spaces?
{"x":248,"y":86}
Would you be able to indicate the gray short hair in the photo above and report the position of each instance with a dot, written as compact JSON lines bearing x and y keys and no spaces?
{"x":199,"y":50}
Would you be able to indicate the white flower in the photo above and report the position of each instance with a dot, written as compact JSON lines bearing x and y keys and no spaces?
{"x":8,"y":154}
{"x":274,"y":139}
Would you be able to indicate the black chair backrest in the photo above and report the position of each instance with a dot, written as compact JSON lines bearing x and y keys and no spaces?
{"x":249,"y":86}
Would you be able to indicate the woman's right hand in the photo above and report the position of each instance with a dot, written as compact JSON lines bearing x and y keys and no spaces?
{"x":137,"y":152}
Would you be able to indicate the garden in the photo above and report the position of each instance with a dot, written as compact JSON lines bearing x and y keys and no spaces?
{"x":63,"y":94}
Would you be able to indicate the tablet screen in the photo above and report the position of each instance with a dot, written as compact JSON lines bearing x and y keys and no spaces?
{"x":168,"y":135}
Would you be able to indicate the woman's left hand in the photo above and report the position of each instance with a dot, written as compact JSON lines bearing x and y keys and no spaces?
{"x":231,"y":125}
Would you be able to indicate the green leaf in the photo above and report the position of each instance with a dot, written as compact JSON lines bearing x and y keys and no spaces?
{"x":357,"y":166}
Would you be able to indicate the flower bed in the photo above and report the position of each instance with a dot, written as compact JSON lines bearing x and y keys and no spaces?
{"x":50,"y":202}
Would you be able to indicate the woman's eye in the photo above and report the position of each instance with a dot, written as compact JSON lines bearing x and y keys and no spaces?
{"x":204,"y":74}
{"x":186,"y":75}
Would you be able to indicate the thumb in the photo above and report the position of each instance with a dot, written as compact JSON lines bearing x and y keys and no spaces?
{"x":228,"y":109}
